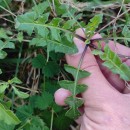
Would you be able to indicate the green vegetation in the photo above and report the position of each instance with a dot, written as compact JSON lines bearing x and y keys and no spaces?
{"x":34,"y":37}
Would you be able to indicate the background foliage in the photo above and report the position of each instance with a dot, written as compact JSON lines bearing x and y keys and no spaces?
{"x":34,"y":37}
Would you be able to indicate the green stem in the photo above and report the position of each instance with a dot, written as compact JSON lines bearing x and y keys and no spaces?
{"x":16,"y":73}
{"x":76,"y":77}
{"x":79,"y":65}
{"x":7,"y":7}
{"x":18,"y":61}
{"x":26,"y":123}
{"x":52,"y":118}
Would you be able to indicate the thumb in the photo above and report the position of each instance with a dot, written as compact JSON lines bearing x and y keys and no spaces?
{"x":97,"y":83}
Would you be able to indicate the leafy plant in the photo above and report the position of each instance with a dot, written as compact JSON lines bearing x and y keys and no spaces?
{"x":73,"y":101}
{"x":34,"y":37}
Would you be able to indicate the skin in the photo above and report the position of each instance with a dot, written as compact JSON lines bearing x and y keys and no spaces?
{"x":107,"y":99}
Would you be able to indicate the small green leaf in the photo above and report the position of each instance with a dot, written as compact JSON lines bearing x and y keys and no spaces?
{"x":93,"y":25}
{"x":9,"y":44}
{"x":36,"y":123}
{"x":51,"y":69}
{"x":69,"y":24}
{"x":25,"y":22}
{"x":43,"y":32}
{"x":38,"y":42}
{"x":69,"y":85}
{"x":55,"y":34}
{"x":6,"y":44}
{"x":19,"y":93}
{"x":20,"y":36}
{"x":73,"y":71}
{"x":126,"y":32}
{"x":15,"y":80}
{"x":44,"y":101}
{"x":3,"y":87}
{"x":97,"y":52}
{"x":74,"y":104}
{"x":41,"y":7}
{"x":3,"y":54}
{"x":24,"y":112}
{"x":3,"y":33}
{"x":39,"y":61}
{"x":62,"y":122}
{"x":8,"y":116}
{"x":56,"y":21}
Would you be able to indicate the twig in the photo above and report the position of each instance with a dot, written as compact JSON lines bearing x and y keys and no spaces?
{"x":7,"y":11}
{"x":113,"y":20}
{"x":26,"y":89}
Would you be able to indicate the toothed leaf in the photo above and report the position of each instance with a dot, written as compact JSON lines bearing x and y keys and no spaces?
{"x":114,"y":63}
{"x":69,"y":85}
{"x":73,"y":71}
{"x":74,"y":104}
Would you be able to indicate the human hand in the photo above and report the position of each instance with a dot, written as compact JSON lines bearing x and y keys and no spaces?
{"x":107,"y":100}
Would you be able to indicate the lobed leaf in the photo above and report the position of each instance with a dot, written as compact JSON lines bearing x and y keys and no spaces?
{"x":74,"y":104}
{"x":44,"y":101}
{"x":51,"y":69}
{"x":39,"y":61}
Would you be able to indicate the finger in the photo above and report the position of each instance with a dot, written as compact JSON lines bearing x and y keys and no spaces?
{"x":60,"y":96}
{"x":98,"y":85}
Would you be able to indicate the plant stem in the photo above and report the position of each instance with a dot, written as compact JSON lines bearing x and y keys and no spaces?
{"x":52,"y":118}
{"x":113,"y":20}
{"x":16,"y":73}
{"x":8,"y":7}
{"x":7,"y":11}
{"x":79,"y":65}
